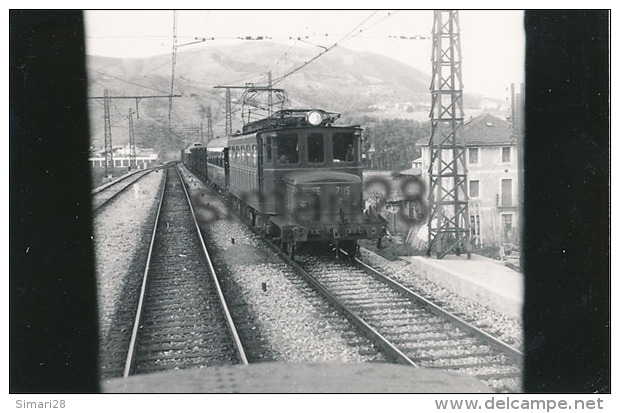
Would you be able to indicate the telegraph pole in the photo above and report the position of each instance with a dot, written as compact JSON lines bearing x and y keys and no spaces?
{"x":448,"y":221}
{"x":107,"y":99}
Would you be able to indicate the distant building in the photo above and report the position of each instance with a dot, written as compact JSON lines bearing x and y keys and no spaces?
{"x":492,"y":179}
{"x":145,"y":157}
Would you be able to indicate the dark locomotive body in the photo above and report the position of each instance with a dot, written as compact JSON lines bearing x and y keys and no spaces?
{"x":293,"y":176}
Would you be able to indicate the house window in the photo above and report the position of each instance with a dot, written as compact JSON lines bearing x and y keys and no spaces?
{"x":506,"y":192}
{"x":474,"y":224}
{"x":474,"y":189}
{"x":474,"y":229}
{"x":507,"y":227}
{"x":473,"y":155}
{"x":506,"y":154}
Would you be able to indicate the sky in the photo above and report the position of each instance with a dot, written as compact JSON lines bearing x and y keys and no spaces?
{"x":492,"y":41}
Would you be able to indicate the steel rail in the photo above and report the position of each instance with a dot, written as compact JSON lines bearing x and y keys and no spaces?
{"x":229,"y":321}
{"x":389,"y":348}
{"x":100,"y":190}
{"x":435,"y":309}
{"x":134,"y":334}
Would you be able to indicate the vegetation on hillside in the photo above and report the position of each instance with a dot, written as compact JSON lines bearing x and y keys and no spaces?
{"x":381,"y":94}
{"x":393,"y":140}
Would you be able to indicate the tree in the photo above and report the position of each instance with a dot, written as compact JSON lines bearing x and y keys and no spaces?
{"x":393,"y":140}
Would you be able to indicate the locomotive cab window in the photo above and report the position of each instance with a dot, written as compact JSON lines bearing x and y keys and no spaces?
{"x":288,"y":149}
{"x":344,"y":147}
{"x":316,"y":148}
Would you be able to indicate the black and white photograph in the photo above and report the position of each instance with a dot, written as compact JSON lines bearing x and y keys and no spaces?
{"x":311,"y":201}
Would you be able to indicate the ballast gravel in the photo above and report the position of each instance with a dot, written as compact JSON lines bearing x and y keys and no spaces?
{"x":499,"y":325}
{"x":296,"y":323}
{"x":120,"y":233}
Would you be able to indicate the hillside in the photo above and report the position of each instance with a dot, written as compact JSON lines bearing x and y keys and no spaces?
{"x":350,"y":82}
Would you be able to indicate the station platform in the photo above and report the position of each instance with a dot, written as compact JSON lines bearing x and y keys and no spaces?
{"x":482,"y":279}
{"x":299,"y":378}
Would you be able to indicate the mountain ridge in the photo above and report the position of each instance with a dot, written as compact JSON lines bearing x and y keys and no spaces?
{"x":341,"y":80}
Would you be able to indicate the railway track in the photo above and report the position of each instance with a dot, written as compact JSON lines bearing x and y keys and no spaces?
{"x":408,"y":328}
{"x":105,"y":194}
{"x":182,"y":320}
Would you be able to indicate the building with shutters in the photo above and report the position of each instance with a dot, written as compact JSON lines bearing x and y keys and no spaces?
{"x":491,"y":159}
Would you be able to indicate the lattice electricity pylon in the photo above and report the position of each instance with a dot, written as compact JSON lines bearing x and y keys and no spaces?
{"x":132,"y":142}
{"x":107,"y":127}
{"x":448,"y":222}
{"x":228,"y":113}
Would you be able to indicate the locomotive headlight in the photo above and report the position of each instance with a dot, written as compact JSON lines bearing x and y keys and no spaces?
{"x":314,"y":118}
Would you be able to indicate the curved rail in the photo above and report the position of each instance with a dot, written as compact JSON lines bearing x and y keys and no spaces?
{"x":425,"y":333}
{"x":389,"y":348}
{"x":103,"y":187}
{"x":100,"y":190}
{"x":435,"y":309}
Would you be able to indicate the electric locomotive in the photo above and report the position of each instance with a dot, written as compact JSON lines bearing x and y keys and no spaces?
{"x":296,"y":177}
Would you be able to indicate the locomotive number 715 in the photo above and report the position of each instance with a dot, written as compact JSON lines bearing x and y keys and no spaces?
{"x":343,"y":190}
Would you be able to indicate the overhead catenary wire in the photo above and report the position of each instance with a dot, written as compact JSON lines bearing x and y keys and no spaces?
{"x":353,"y":33}
{"x":126,"y":81}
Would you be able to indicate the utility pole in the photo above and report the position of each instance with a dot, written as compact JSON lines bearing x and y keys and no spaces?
{"x":107,"y":99}
{"x":448,"y":221}
{"x":132,"y":142}
{"x":516,"y":119}
{"x":107,"y":127}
